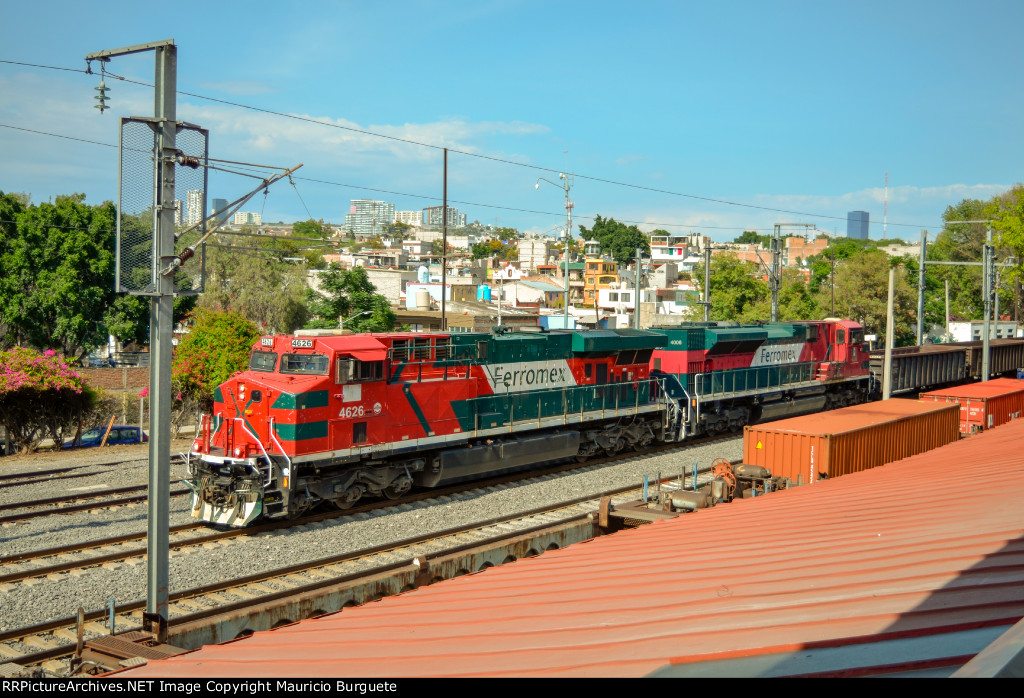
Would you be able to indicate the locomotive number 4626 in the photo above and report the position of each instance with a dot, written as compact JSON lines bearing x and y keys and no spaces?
{"x":353,"y":411}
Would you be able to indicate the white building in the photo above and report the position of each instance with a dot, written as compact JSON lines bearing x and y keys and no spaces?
{"x":367,"y":217}
{"x":972,"y":331}
{"x":432,"y":217}
{"x":193,"y":206}
{"x":247,"y":218}
{"x":414,"y":218}
{"x":616,"y":299}
{"x":533,"y":252}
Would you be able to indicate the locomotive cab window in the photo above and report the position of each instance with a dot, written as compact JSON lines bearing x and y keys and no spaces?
{"x":840,"y":336}
{"x":304,"y":364}
{"x":263,"y":361}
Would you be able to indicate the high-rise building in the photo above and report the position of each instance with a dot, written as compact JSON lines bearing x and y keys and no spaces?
{"x":178,"y":206}
{"x":858,"y":224}
{"x":367,"y":217}
{"x":217,"y":205}
{"x":193,"y":206}
{"x":432,"y":217}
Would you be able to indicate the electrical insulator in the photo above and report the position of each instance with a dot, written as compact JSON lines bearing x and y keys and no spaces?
{"x":102,"y":96}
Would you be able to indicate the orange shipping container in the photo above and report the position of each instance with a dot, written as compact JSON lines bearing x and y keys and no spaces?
{"x":829,"y":444}
{"x":983,"y":405}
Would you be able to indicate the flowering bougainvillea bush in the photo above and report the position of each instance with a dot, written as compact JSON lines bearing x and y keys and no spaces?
{"x":217,"y":345}
{"x":40,"y":396}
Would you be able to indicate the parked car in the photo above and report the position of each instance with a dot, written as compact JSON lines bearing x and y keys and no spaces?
{"x":118,"y":435}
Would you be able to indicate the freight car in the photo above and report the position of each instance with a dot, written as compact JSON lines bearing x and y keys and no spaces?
{"x":932,"y":366}
{"x":334,"y":417}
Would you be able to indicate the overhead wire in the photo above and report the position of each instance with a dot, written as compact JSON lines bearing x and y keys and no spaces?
{"x":540,"y":168}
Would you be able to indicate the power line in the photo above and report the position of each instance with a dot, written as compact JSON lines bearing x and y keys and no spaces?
{"x":696,"y":197}
{"x":424,"y":197}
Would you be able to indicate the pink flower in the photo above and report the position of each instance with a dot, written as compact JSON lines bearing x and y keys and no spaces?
{"x":144,"y":393}
{"x":50,"y":352}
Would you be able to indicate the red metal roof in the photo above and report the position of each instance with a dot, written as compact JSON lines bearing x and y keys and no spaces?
{"x":983,"y":389}
{"x":917,"y":564}
{"x":850,"y":418}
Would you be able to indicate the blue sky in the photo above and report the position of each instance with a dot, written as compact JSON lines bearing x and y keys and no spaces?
{"x":802,"y":106}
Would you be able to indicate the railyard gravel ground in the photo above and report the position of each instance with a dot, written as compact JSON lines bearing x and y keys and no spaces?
{"x":51,"y":598}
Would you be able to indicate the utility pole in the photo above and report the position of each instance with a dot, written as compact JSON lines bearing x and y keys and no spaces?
{"x":776,"y":270}
{"x":775,"y":273}
{"x":444,"y":242}
{"x":161,"y":327}
{"x":987,"y":264}
{"x":920,"y":289}
{"x":945,"y":332}
{"x":707,"y":283}
{"x":889,"y":334}
{"x":832,"y":276}
{"x":566,"y":185}
{"x":987,"y":292}
{"x":636,"y":303}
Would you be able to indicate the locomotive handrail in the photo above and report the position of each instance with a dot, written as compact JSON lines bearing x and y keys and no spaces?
{"x":717,"y":383}
{"x":277,"y":442}
{"x":270,"y":475}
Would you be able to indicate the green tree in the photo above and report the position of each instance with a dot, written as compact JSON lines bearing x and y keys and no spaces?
{"x":737,"y":292}
{"x":345,"y":294}
{"x":260,"y":286}
{"x":507,"y":235}
{"x":862,"y":293}
{"x":752,"y":237}
{"x":617,"y":239}
{"x":217,"y":345}
{"x":494,"y":248}
{"x":797,"y":301}
{"x":399,"y":230}
{"x":316,"y":230}
{"x":1007,"y":213}
{"x":57,"y":273}
{"x":960,"y":242}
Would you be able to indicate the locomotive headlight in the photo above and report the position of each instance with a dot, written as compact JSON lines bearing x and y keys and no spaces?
{"x":238,"y":451}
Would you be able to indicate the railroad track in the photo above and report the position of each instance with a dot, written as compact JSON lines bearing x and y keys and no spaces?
{"x":50,"y":644}
{"x":65,"y":505}
{"x":115,"y":549}
{"x":40,"y":476}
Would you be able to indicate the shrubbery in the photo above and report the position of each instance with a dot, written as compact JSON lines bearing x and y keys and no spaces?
{"x":218,"y":344}
{"x":40,"y":396}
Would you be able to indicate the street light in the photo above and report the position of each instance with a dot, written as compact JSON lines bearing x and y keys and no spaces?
{"x":566,"y":185}
{"x":341,"y":320}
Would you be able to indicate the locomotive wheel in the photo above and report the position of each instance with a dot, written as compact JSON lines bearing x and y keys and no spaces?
{"x":616,"y":446}
{"x":399,"y":488}
{"x":643,"y":443}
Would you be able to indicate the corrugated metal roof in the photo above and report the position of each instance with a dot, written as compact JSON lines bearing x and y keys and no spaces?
{"x":917,"y":564}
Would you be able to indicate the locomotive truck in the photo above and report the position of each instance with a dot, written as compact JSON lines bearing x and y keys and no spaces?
{"x":330,"y":417}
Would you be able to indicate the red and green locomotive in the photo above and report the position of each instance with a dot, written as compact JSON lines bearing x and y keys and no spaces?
{"x":326,"y":417}
{"x":335,"y":417}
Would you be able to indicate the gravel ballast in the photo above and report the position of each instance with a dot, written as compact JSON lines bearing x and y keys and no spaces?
{"x":47,"y":599}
